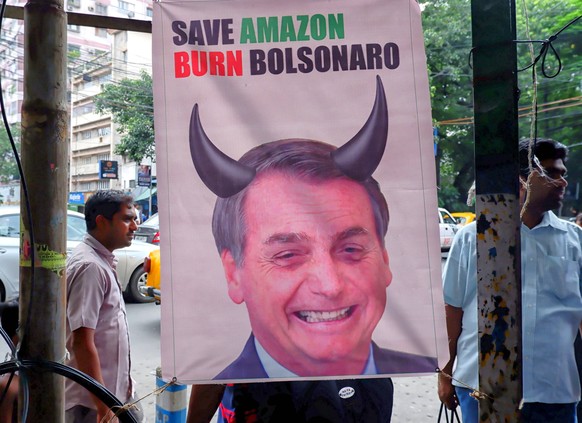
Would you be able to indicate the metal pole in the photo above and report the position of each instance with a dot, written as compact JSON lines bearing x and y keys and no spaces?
{"x":150,"y":201}
{"x":45,"y":163}
{"x":498,"y":208}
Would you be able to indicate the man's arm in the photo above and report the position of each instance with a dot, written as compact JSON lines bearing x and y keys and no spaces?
{"x":446,"y":390}
{"x":204,"y":400}
{"x":85,"y":351}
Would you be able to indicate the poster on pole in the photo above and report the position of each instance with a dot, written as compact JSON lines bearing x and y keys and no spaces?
{"x":144,"y":176}
{"x":296,"y":190}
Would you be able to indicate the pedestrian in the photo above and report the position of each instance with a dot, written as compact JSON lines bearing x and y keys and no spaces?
{"x":551,"y":269}
{"x":97,"y":330}
{"x":579,"y":219}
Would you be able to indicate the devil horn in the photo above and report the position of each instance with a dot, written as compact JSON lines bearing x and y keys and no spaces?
{"x":221,"y":174}
{"x":360,"y":156}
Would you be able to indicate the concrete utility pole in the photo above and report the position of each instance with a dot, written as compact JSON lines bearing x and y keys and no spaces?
{"x":498,"y":209}
{"x":45,"y":163}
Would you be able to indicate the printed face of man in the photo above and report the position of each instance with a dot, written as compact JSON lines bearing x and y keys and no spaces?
{"x":314,"y":274}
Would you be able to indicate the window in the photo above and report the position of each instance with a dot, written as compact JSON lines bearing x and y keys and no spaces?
{"x":86,"y":135}
{"x":125,"y":5}
{"x":76,"y":228}
{"x":87,"y":186}
{"x":150,"y":12}
{"x":100,"y":9}
{"x":101,"y":32}
{"x":101,"y":132}
{"x":105,"y":78}
{"x":86,"y":160}
{"x":104,"y":156}
{"x":74,"y":28}
{"x":10,"y":226}
{"x":103,"y":184}
{"x":87,"y":108}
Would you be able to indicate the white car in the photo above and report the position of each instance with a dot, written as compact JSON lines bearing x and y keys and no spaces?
{"x":129,"y":268}
{"x":448,"y":228}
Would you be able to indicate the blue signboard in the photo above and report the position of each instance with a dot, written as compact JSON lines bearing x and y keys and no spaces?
{"x":76,"y":198}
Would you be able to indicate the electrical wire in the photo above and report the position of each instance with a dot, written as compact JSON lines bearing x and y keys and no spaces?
{"x":87,"y":382}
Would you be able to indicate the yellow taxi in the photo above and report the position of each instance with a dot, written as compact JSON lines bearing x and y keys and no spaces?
{"x":152,"y":286}
{"x":463,"y":218}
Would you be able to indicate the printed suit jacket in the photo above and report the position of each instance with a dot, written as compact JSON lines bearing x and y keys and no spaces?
{"x":248,"y":365}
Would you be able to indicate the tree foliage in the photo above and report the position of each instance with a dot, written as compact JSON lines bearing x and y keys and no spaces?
{"x":130,"y":102}
{"x":447,"y":31}
{"x":8,"y":166}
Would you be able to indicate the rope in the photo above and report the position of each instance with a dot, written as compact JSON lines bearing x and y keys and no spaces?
{"x":133,"y":405}
{"x":476,"y":393}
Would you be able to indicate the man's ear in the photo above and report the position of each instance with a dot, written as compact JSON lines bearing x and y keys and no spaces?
{"x":232,"y":274}
{"x":100,"y":220}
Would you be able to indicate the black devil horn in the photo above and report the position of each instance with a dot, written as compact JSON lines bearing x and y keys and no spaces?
{"x":360,"y":156}
{"x":221,"y":174}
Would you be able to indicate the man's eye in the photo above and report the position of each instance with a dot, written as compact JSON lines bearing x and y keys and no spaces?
{"x":289,"y":258}
{"x":285,"y":256}
{"x":351,"y":251}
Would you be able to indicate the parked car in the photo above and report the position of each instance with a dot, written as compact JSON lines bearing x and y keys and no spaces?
{"x":463,"y":218}
{"x":149,"y":231}
{"x":129,"y":267}
{"x":152,"y":288}
{"x":448,"y":228}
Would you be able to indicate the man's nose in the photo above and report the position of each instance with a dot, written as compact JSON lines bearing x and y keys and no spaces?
{"x":133,"y":225}
{"x":324,"y":277}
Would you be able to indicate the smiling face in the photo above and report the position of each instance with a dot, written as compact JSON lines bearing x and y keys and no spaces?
{"x":314,"y":275}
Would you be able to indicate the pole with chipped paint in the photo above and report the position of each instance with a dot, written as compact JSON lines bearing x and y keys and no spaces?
{"x":497,"y":209}
{"x":45,"y":163}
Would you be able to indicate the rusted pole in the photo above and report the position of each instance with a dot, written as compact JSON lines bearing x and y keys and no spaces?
{"x":45,"y":164}
{"x":497,"y":207}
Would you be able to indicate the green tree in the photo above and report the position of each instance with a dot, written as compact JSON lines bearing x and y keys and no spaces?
{"x":447,"y":31}
{"x":8,"y":166}
{"x":130,"y":102}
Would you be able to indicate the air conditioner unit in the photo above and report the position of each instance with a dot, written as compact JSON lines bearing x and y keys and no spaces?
{"x":91,"y":9}
{"x":130,"y":14}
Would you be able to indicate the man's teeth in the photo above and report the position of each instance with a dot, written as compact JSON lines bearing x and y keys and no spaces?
{"x":323,"y":316}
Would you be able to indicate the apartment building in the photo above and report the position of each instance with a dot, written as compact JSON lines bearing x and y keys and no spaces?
{"x":96,"y":56}
{"x":105,"y":57}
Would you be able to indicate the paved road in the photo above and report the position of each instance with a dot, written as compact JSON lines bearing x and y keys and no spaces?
{"x":415,"y":398}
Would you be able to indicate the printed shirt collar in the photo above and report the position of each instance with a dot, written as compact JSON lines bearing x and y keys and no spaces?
{"x":275,"y":370}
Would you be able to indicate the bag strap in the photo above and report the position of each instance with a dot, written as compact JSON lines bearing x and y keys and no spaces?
{"x":453,"y":415}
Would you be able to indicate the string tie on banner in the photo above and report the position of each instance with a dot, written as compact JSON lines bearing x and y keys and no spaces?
{"x":476,"y":393}
{"x":133,"y":405}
